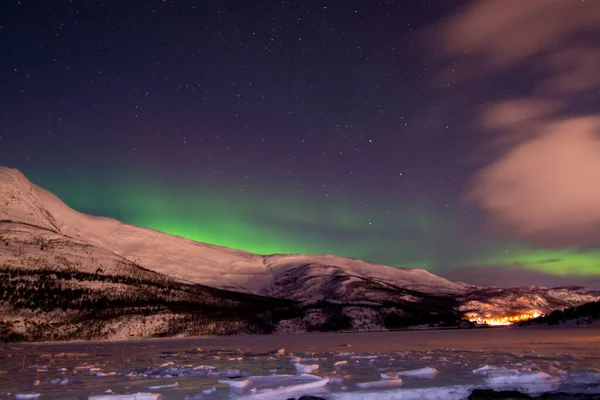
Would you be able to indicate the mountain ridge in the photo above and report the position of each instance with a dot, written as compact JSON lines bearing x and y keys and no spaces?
{"x":107,"y":262}
{"x":228,"y":264}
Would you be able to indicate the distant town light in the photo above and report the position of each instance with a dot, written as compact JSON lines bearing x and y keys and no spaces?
{"x":503,"y":321}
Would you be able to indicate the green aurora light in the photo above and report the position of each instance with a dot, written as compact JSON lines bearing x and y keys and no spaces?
{"x":399,"y":234}
{"x":563,"y":262}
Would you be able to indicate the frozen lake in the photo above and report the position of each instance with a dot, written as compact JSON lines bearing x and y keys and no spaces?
{"x":381,"y":365}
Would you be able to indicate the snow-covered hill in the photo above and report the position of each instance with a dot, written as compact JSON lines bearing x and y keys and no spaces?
{"x":40,"y":235}
{"x":188,"y":261}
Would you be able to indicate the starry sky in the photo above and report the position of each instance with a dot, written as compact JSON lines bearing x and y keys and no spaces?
{"x":461,"y":137}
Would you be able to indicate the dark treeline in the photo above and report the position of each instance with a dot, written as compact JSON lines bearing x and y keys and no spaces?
{"x":585,"y":313}
{"x":82,"y":305}
{"x":81,"y":310}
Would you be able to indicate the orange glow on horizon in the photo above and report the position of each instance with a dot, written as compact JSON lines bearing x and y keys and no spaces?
{"x":504,"y":321}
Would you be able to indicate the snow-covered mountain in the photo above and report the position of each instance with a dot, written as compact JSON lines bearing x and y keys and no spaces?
{"x":25,"y":203}
{"x":41,"y":236}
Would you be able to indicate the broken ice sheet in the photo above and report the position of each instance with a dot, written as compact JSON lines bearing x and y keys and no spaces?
{"x":278,"y":386}
{"x":420,"y":373}
{"x":135,"y":396}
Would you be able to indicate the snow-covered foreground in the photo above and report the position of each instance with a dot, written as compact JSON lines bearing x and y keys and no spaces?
{"x":389,"y":365}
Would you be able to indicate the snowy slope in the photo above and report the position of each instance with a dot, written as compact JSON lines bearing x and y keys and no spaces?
{"x":174,"y":256}
{"x":321,"y":277}
{"x":19,"y":201}
{"x":190,"y":261}
{"x":493,"y":302}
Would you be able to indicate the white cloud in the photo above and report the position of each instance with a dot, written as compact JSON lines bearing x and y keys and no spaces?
{"x":547,"y":188}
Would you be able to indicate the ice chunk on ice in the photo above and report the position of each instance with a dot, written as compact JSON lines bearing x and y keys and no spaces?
{"x":304,"y":359}
{"x":38,"y":368}
{"x":585,"y":377}
{"x":209,"y":391}
{"x":271,"y":381}
{"x":135,"y":396}
{"x":487,"y":370}
{"x":389,"y":376}
{"x":421,"y":373}
{"x":86,"y":368}
{"x":101,"y":374}
{"x":170,"y":386}
{"x":27,"y":396}
{"x":306,"y":369}
{"x":380,"y":384}
{"x":275,"y":387}
{"x":237,"y":383}
{"x":233,"y":372}
{"x":437,"y":393}
{"x":59,"y":381}
{"x":204,"y":367}
{"x":525,"y":382}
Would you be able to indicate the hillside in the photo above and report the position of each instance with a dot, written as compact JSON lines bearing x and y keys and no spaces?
{"x":72,"y":275}
{"x":584,"y":314}
{"x":195,"y":262}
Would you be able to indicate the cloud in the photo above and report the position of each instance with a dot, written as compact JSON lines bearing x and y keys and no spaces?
{"x":512,"y":121}
{"x":571,"y":70}
{"x":547,"y":188}
{"x":542,"y":182}
{"x":504,"y":33}
{"x":515,"y":113}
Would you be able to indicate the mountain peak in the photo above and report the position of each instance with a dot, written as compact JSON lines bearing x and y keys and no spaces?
{"x":19,"y":201}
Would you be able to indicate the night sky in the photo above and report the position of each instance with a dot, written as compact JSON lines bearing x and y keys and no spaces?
{"x":457,"y":136}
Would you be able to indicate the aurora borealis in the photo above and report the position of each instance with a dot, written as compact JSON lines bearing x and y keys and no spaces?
{"x":409,"y":235}
{"x":261,"y":222}
{"x":378,"y":130}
